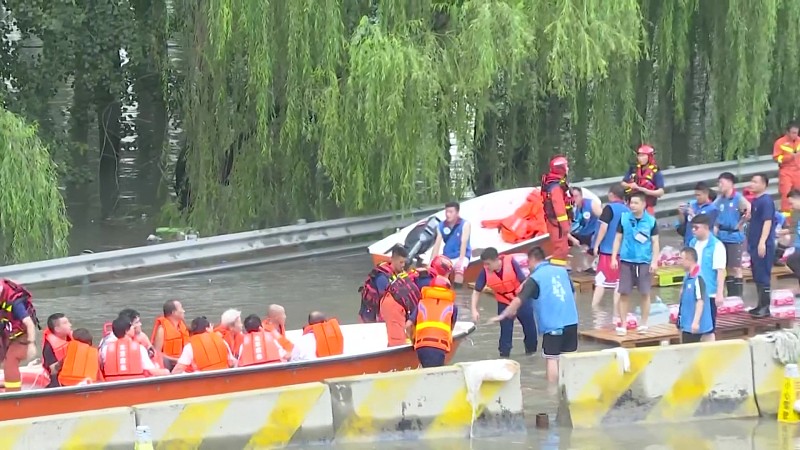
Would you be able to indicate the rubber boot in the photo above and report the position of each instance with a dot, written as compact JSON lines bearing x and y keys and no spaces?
{"x":738,"y":284}
{"x":762,"y":310}
{"x":730,"y":286}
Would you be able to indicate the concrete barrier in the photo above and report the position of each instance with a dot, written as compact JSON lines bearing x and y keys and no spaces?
{"x":265,"y":418}
{"x":767,"y":375}
{"x":107,"y":428}
{"x":676,"y":383}
{"x":428,"y":403}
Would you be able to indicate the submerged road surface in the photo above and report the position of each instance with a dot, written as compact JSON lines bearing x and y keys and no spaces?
{"x":329,"y":285}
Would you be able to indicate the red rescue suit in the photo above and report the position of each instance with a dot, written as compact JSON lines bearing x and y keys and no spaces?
{"x":558,"y":210}
{"x":785,"y":153}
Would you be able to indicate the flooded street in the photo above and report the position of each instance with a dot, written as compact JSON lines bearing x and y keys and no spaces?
{"x":329,"y":284}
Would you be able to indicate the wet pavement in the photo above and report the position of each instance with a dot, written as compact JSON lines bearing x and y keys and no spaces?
{"x":329,"y":284}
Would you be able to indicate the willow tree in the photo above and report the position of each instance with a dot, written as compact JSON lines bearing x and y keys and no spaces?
{"x":33,"y":223}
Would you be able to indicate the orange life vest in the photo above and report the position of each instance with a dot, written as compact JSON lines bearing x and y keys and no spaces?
{"x":123,"y":360}
{"x":259,"y":347}
{"x":234,"y":340}
{"x":643,"y":176}
{"x":59,"y":345}
{"x":10,"y":294}
{"x":550,"y":213}
{"x":210,"y":351}
{"x":328,"y":335}
{"x":434,"y":319}
{"x":281,"y":335}
{"x":526,"y":222}
{"x":508,"y":286}
{"x":81,"y":363}
{"x":175,"y":338}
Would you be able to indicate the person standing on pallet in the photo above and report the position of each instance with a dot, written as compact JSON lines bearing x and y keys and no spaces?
{"x":637,"y":246}
{"x":702,"y":204}
{"x":552,"y":293}
{"x":734,"y":209}
{"x":761,"y":243}
{"x":558,"y":208}
{"x":711,"y":259}
{"x":785,"y":153}
{"x":603,"y":244}
{"x":504,"y":276}
{"x":645,"y":177}
{"x":694,"y":315}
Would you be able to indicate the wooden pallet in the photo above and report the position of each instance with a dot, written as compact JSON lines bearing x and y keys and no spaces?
{"x":777,"y":272}
{"x":743,"y":325}
{"x":654,"y":336}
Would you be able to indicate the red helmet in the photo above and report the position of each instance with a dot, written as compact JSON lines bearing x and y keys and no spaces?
{"x":440,"y":282}
{"x":441,"y":265}
{"x":559,"y":164}
{"x":645,"y":150}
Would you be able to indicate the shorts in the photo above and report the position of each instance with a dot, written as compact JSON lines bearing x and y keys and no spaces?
{"x":566,"y":342}
{"x":459,"y":269}
{"x":634,"y":275}
{"x":733,"y":253}
{"x":583,"y":240}
{"x":690,"y":338}
{"x":606,"y":276}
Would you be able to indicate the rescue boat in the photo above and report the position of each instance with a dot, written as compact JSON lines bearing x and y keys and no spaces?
{"x":489,"y":207}
{"x":365,"y":352}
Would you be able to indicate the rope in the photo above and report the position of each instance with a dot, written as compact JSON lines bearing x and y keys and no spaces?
{"x":787,"y":345}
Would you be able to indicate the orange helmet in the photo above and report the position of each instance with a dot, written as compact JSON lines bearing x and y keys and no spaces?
{"x":440,"y":282}
{"x":559,"y":164}
{"x":645,"y":149}
{"x":441,"y":265}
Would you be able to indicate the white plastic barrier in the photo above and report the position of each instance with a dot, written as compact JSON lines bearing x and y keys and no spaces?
{"x":106,"y":428}
{"x":481,"y":398}
{"x":678,"y":383}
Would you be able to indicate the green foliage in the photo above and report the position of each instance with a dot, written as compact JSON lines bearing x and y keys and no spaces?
{"x":33,"y":224}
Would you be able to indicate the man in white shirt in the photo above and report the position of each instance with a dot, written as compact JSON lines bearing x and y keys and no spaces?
{"x":122,"y":327}
{"x":136,"y":322}
{"x":713,"y":272}
{"x":199,"y":325}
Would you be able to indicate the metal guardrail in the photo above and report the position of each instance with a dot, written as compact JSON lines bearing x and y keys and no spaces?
{"x":105,"y":264}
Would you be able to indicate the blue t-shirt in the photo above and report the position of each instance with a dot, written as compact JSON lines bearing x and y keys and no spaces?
{"x":19,"y":311}
{"x":480,"y":282}
{"x":762,"y":210}
{"x":381,"y":283}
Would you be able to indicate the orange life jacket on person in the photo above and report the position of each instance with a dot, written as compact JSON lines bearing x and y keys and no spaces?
{"x":508,"y":286}
{"x":234,"y":340}
{"x":10,"y":294}
{"x":526,"y":222}
{"x":123,"y":360}
{"x":549,"y":183}
{"x":434,"y":319}
{"x":210,"y":352}
{"x":328,"y":335}
{"x":370,"y":297}
{"x":259,"y":347}
{"x":643,"y":176}
{"x":175,"y":338}
{"x":280,"y":335}
{"x":80,"y":364}
{"x":59,"y":345}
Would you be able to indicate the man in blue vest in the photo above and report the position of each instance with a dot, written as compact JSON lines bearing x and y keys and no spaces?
{"x":694,"y":316}
{"x":553,"y":296}
{"x":793,"y":261}
{"x":584,"y":224}
{"x":733,"y":210}
{"x":761,"y":243}
{"x":711,"y":259}
{"x":454,"y":234}
{"x":637,"y":246}
{"x":603,"y":244}
{"x":702,"y":204}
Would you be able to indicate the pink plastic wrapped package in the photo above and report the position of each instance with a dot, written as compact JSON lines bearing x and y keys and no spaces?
{"x":673,"y":312}
{"x":782,"y":297}
{"x":782,"y":312}
{"x":632,"y":323}
{"x":730,"y":305}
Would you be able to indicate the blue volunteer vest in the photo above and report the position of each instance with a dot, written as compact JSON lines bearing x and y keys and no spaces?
{"x":706,"y":268}
{"x":696,"y":210}
{"x":555,"y":308}
{"x":688,"y":305}
{"x":451,"y":237}
{"x":797,"y":235}
{"x":633,"y":250}
{"x":584,"y":223}
{"x":728,"y":219}
{"x":607,"y":244}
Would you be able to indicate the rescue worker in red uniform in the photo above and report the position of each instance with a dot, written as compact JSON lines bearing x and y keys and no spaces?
{"x":377,"y":282}
{"x":558,"y":208}
{"x":645,"y":177}
{"x":504,"y":276}
{"x":785,"y":153}
{"x":18,"y":324}
{"x":434,"y":321}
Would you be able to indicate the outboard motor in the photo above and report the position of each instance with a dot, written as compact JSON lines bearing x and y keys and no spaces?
{"x":421,"y":238}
